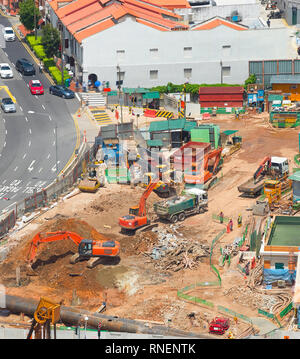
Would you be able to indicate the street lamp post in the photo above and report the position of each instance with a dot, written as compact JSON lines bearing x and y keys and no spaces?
{"x":35,"y":29}
{"x":62,"y":52}
{"x":221,"y":65}
{"x":119,"y":87}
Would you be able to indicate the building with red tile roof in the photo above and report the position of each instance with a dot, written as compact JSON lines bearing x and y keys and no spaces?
{"x":152,"y":44}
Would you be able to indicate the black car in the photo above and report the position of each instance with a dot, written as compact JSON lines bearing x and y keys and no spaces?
{"x":61,"y":91}
{"x":25,"y":67}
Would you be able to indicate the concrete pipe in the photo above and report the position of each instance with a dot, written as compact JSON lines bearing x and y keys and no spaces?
{"x":73,"y":317}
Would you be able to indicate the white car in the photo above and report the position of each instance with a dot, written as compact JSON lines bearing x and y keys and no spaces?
{"x":8,"y":34}
{"x":6,"y":71}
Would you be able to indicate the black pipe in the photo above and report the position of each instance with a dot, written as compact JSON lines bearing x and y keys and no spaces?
{"x":71,"y":316}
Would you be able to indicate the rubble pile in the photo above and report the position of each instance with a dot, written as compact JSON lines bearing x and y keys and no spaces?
{"x":173,"y":252}
{"x":247,"y":297}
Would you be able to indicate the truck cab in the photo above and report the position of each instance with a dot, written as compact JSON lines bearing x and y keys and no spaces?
{"x":280,"y":165}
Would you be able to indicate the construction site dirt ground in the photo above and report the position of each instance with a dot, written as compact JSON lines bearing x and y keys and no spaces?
{"x":133,"y":287}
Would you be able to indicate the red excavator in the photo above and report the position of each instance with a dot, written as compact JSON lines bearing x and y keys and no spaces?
{"x":88,"y":249}
{"x":137,"y":215}
{"x":206,"y":171}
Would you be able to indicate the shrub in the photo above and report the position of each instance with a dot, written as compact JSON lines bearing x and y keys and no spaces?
{"x":56,"y":74}
{"x":32,"y":41}
{"x":48,"y":62}
{"x":39,"y":51}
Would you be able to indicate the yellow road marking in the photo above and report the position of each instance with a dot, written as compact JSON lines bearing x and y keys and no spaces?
{"x":8,"y":92}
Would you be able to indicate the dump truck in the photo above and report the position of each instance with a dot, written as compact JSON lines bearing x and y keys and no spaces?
{"x":176,"y":208}
{"x":274,"y":167}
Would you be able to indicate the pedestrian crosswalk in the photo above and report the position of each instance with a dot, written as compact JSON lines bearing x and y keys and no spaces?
{"x":100,"y":116}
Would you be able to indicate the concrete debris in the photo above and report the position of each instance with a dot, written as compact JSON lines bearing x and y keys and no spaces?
{"x":174,"y":252}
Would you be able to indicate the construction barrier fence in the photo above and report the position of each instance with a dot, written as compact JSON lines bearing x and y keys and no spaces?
{"x":222,"y":110}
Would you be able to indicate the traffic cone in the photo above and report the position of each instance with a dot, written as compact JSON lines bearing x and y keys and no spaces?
{"x":228,"y":228}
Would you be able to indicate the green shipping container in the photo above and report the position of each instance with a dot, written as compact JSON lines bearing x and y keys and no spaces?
{"x":207,"y":134}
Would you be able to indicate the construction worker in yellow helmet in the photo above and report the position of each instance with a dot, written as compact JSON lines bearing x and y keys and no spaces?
{"x":239,"y":220}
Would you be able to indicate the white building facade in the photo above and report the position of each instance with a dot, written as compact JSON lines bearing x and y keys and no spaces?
{"x":149,"y":57}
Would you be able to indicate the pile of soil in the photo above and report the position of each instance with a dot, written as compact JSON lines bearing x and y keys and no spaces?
{"x":52,"y":262}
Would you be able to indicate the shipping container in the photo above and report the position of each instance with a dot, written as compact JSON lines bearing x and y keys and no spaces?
{"x":218,"y":96}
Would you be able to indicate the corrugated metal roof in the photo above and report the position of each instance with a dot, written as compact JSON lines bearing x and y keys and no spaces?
{"x":167,"y":125}
{"x":221,"y":90}
{"x":134,"y":90}
{"x":229,"y":132}
{"x":285,"y":79}
{"x":154,"y":143}
{"x":189,"y":125}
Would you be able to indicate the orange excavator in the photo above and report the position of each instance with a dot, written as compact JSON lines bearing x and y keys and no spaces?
{"x":206,"y":172}
{"x":88,"y":249}
{"x":137,"y":215}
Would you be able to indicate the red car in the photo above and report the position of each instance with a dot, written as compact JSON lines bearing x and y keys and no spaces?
{"x":218,"y":325}
{"x":36,"y":88}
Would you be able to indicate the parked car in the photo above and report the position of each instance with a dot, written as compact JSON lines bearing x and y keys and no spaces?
{"x":8,"y":105}
{"x":6,"y":71}
{"x":61,"y":91}
{"x":36,"y":88}
{"x":25,"y":67}
{"x":8,"y":34}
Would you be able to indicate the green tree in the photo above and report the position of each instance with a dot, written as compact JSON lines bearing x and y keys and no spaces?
{"x":27,"y":11}
{"x":250,"y":80}
{"x":50,"y":40}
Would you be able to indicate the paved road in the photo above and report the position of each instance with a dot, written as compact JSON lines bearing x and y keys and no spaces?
{"x":28,"y":138}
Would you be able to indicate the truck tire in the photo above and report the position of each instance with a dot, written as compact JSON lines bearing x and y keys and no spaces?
{"x":174,"y":218}
{"x":181,"y":216}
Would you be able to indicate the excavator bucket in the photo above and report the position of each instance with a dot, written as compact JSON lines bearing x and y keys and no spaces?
{"x":30,"y":271}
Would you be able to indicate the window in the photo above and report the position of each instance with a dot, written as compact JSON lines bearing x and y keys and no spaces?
{"x":279,"y":266}
{"x":187,"y":73}
{"x":226,"y":70}
{"x":153,"y":74}
{"x":187,"y":51}
{"x":120,"y":55}
{"x":154,"y":53}
{"x":226,"y":50}
{"x":121,"y":74}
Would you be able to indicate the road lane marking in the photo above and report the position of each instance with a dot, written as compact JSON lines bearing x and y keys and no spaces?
{"x":50,"y":118}
{"x":30,"y":168}
{"x":26,"y":119}
{"x":4,"y":144}
{"x":30,"y":130}
{"x":53,"y":143}
{"x":29,"y":143}
{"x":6,"y":132}
{"x":54,"y":167}
{"x":40,"y":170}
{"x":48,"y":156}
{"x":4,"y":120}
{"x":44,"y":107}
{"x":24,"y":156}
{"x":21,"y":109}
{"x":16,"y":168}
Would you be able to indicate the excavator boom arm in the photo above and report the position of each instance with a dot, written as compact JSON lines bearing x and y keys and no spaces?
{"x":146,"y":194}
{"x":266,"y":160}
{"x":51,"y":237}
